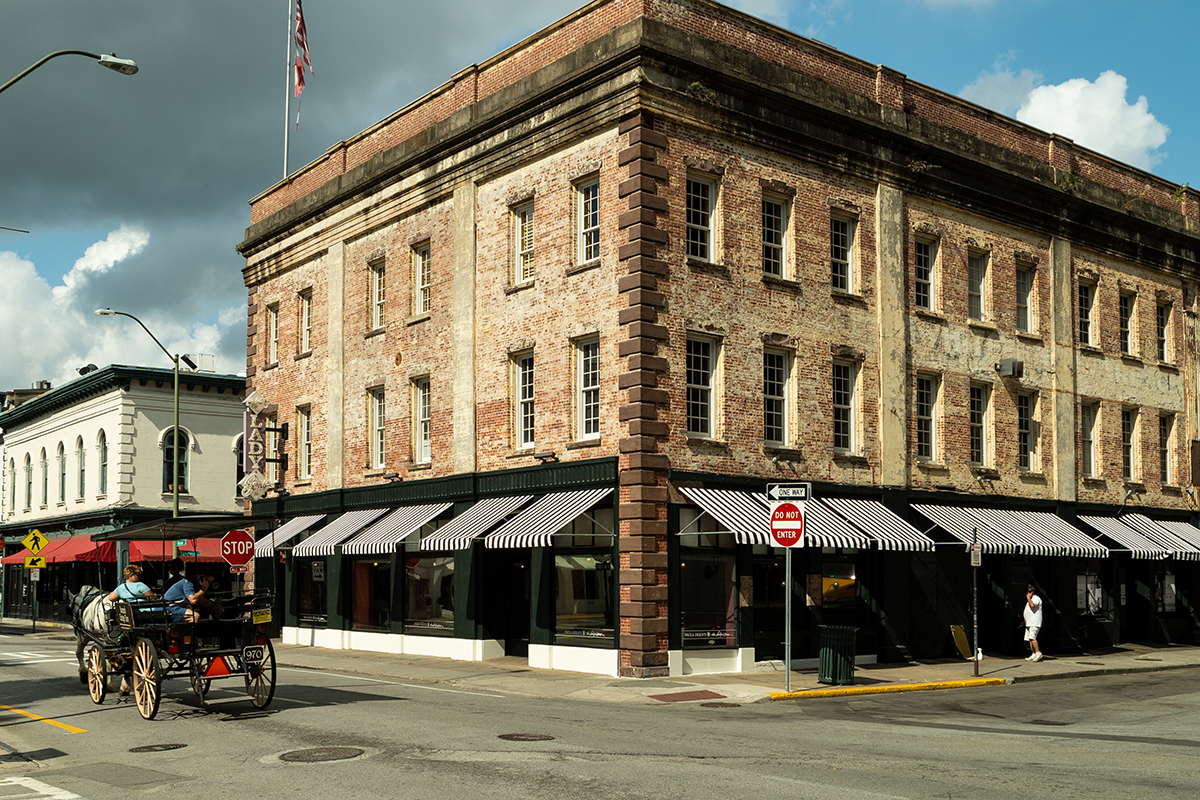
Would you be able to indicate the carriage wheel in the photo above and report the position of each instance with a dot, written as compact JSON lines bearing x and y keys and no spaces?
{"x":147,"y":678}
{"x":200,"y":684}
{"x":97,"y":673}
{"x":260,"y":679}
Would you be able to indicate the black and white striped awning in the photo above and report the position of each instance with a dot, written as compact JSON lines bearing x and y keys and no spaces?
{"x":325,"y":541}
{"x":824,"y":528}
{"x":962,"y":525}
{"x":884,"y":526}
{"x":743,"y":514}
{"x":1157,"y":532}
{"x":1139,"y":546}
{"x":382,"y":537}
{"x":289,"y":530}
{"x":460,"y":532}
{"x":1035,"y":533}
{"x":534,"y":526}
{"x":1189,"y":533}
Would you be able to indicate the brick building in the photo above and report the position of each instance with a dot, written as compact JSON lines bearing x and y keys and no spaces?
{"x":564,"y":318}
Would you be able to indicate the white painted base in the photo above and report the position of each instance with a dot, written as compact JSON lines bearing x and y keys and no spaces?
{"x":398,"y":644}
{"x":709,"y":662}
{"x":575,"y":659}
{"x":808,"y":663}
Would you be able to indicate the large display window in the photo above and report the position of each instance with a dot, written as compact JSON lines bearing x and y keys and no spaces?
{"x":311,"y":593}
{"x":585,"y":600}
{"x":707,"y":582}
{"x":429,"y":601}
{"x":370,"y":609}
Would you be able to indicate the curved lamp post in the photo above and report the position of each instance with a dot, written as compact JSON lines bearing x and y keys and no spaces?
{"x":108,"y":312}
{"x":111,"y":61}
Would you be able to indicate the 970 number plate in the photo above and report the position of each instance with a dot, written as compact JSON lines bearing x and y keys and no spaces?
{"x":254,"y":654}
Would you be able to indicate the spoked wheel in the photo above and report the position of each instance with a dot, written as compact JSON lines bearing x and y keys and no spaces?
{"x":97,"y":673}
{"x":260,"y":678}
{"x":200,"y":684}
{"x":147,"y":678}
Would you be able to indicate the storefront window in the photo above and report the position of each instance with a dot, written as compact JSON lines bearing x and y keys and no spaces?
{"x":770,"y":589}
{"x":839,"y":582}
{"x":371,"y":610}
{"x":584,"y":601}
{"x":1164,"y":592}
{"x":430,"y":587}
{"x":1090,"y":597}
{"x":310,"y":589}
{"x":707,"y":581}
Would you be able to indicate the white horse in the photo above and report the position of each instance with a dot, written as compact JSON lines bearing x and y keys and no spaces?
{"x":91,"y":614}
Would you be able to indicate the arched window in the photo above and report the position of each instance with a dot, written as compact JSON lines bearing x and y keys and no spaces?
{"x":80,"y":460}
{"x":28,"y":482}
{"x":62,"y":473}
{"x":168,"y":465}
{"x":45,"y":478}
{"x":102,"y":454}
{"x":12,"y":485}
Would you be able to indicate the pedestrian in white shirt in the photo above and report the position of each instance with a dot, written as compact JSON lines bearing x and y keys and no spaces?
{"x":1033,"y":623}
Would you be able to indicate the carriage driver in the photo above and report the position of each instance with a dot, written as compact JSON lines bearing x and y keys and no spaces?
{"x":188,"y":594}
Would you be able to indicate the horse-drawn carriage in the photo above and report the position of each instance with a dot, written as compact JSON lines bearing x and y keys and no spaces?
{"x":144,"y":643}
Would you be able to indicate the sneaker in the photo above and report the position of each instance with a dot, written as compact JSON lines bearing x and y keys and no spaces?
{"x":1030,"y":657}
{"x":1037,"y":656}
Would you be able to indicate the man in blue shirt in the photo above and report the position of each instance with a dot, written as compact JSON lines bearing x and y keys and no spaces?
{"x":187,"y":594}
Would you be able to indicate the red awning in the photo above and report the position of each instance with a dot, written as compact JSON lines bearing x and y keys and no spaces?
{"x":81,"y":548}
{"x":208,"y":549}
{"x":46,"y":553}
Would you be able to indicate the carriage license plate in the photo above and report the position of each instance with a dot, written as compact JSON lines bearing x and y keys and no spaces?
{"x":261,"y":615}
{"x":254,"y":654}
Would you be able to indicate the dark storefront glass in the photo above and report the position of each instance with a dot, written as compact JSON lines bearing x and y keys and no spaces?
{"x":707,"y":582}
{"x":311,"y":592}
{"x":1091,"y":599}
{"x":429,"y":582}
{"x":372,"y":584}
{"x":839,"y":582}
{"x":584,"y":601}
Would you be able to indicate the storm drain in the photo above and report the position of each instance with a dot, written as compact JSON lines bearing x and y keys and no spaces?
{"x":525,"y":737}
{"x":155,"y":748}
{"x":317,"y":754}
{"x":720,"y":705}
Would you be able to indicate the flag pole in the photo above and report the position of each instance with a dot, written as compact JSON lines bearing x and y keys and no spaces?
{"x":287,"y":93}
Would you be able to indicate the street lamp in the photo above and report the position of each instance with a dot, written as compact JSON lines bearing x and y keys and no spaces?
{"x":108,"y":312}
{"x":111,"y":61}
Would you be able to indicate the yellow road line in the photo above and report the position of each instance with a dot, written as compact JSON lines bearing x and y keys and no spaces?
{"x":63,"y":725}
{"x":888,"y":688}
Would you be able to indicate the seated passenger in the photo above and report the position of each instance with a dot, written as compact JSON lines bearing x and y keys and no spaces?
{"x":132,"y":588}
{"x":187,"y":593}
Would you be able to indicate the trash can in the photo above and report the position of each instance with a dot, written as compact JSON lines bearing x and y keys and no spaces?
{"x":836,"y":664}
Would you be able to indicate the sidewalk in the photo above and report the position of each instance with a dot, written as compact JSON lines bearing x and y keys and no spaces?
{"x":513,"y":676}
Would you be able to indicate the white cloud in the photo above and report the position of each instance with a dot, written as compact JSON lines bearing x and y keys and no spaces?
{"x":1097,"y":116}
{"x":1002,"y":90}
{"x":102,"y":256}
{"x":770,"y":10}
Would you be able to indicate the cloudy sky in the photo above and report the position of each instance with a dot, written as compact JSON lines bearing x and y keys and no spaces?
{"x":134,"y":190}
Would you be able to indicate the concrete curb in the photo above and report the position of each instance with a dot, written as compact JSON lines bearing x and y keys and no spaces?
{"x":1096,"y":672}
{"x":889,"y":688}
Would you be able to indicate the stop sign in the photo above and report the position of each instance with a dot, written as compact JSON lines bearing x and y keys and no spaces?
{"x":787,"y":524}
{"x":237,"y":547}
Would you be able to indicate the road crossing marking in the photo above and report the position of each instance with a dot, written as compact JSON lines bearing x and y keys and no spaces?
{"x":35,"y":789}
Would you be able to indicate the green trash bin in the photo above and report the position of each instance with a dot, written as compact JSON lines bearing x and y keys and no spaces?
{"x":836,"y":664}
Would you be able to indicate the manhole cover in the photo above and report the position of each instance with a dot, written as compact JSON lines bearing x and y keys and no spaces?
{"x":525,"y":737}
{"x":316,"y":754}
{"x":721,"y":705}
{"x":155,"y":748}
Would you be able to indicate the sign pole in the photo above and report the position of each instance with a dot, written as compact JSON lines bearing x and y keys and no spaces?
{"x":787,"y":619}
{"x":787,"y":502}
{"x":975,"y":596}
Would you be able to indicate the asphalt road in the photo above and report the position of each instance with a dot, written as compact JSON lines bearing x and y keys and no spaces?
{"x":1095,"y":738}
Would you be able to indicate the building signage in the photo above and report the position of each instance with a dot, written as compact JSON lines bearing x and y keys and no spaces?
{"x":787,"y":512}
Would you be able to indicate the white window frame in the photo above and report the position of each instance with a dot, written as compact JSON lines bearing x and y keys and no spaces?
{"x":378,"y":311}
{"x":978,"y":418}
{"x":524,"y":401}
{"x":777,"y":395}
{"x":775,"y":240}
{"x":422,"y":258}
{"x":28,"y":482}
{"x":273,"y":333}
{"x":1127,"y":315}
{"x":377,"y":427}
{"x":422,"y":422}
{"x":701,"y":208}
{"x":45,"y":478}
{"x":524,"y":242}
{"x":272,"y":448}
{"x":925,"y":408}
{"x":102,"y":455}
{"x":925,"y":253}
{"x":304,"y":442}
{"x":702,"y":358}
{"x":1130,"y":466}
{"x":844,"y":405}
{"x":1089,"y":413}
{"x":306,"y":309}
{"x":1166,"y":433}
{"x":1024,"y":297}
{"x":587,"y":388}
{"x":978,"y":265}
{"x":1085,"y":298}
{"x":843,"y":230}
{"x":80,"y":469}
{"x":62,"y":473}
{"x":1162,"y":328}
{"x":1027,"y":431}
{"x":587,"y":216}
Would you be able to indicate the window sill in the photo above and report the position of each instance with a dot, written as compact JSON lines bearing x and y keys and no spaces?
{"x":1090,"y":349}
{"x":1031,"y":475}
{"x":710,"y":267}
{"x":418,"y":466}
{"x":1137,"y":486}
{"x":850,"y":298}
{"x":63,"y":503}
{"x":780,"y":283}
{"x":1093,"y":481}
{"x":373,"y":333}
{"x":1167,"y":366}
{"x":416,"y":319}
{"x":301,"y":356}
{"x":984,"y":472}
{"x":42,"y":507}
{"x":270,"y":366}
{"x":171,"y":496}
{"x":933,"y":466}
{"x":524,"y":452}
{"x":932,"y":316}
{"x":100,"y":498}
{"x":1031,"y":338}
{"x":1133,"y":360}
{"x":697,"y":442}
{"x":586,"y":266}
{"x":513,"y":288}
{"x":1170,"y":488}
{"x":983,"y":326}
{"x":374,"y":472}
{"x":303,"y":482}
{"x":843,"y":457}
{"x":583,"y":443}
{"x":779,"y":453}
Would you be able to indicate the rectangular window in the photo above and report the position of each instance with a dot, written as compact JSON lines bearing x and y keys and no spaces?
{"x":422,"y":279}
{"x":377,"y":296}
{"x":523,"y":243}
{"x":587,"y":389}
{"x":841,"y":252}
{"x":589,"y":221}
{"x":1026,"y":431}
{"x":1166,"y":425}
{"x":774,"y":235}
{"x":306,"y":308}
{"x":924,"y":257}
{"x":978,"y":423}
{"x":701,"y":363}
{"x":1129,"y":464}
{"x":776,"y":369}
{"x":1162,"y":328}
{"x":1085,"y":313}
{"x":375,"y":402}
{"x":422,"y":425}
{"x":272,"y":334}
{"x":844,"y":421}
{"x":977,"y":265}
{"x":304,"y":442}
{"x":1126,"y":311}
{"x":701,"y":194}
{"x":1087,"y":436}
{"x":926,"y":408}
{"x":1024,"y":287}
{"x":523,"y":408}
{"x":272,"y":449}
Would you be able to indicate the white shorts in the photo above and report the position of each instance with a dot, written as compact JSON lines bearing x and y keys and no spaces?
{"x":1031,"y":632}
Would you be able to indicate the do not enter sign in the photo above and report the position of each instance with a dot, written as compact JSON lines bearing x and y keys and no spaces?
{"x":237,"y":548}
{"x":787,"y":524}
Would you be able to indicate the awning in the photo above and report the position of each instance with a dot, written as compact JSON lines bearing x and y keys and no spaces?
{"x":743,"y":514}
{"x":1175,"y":546}
{"x":534,"y":526}
{"x":459,"y":532}
{"x":289,"y":530}
{"x":824,"y":528}
{"x":81,"y":548}
{"x":324,"y":541}
{"x":382,"y":537}
{"x":188,"y":527}
{"x":1139,"y":546}
{"x":888,"y":529}
{"x":1069,"y":540}
{"x":1035,"y":533}
{"x":1189,"y":533}
{"x":960,"y":523}
{"x":207,"y":550}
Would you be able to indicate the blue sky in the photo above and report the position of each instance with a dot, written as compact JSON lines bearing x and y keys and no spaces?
{"x":135,"y":189}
